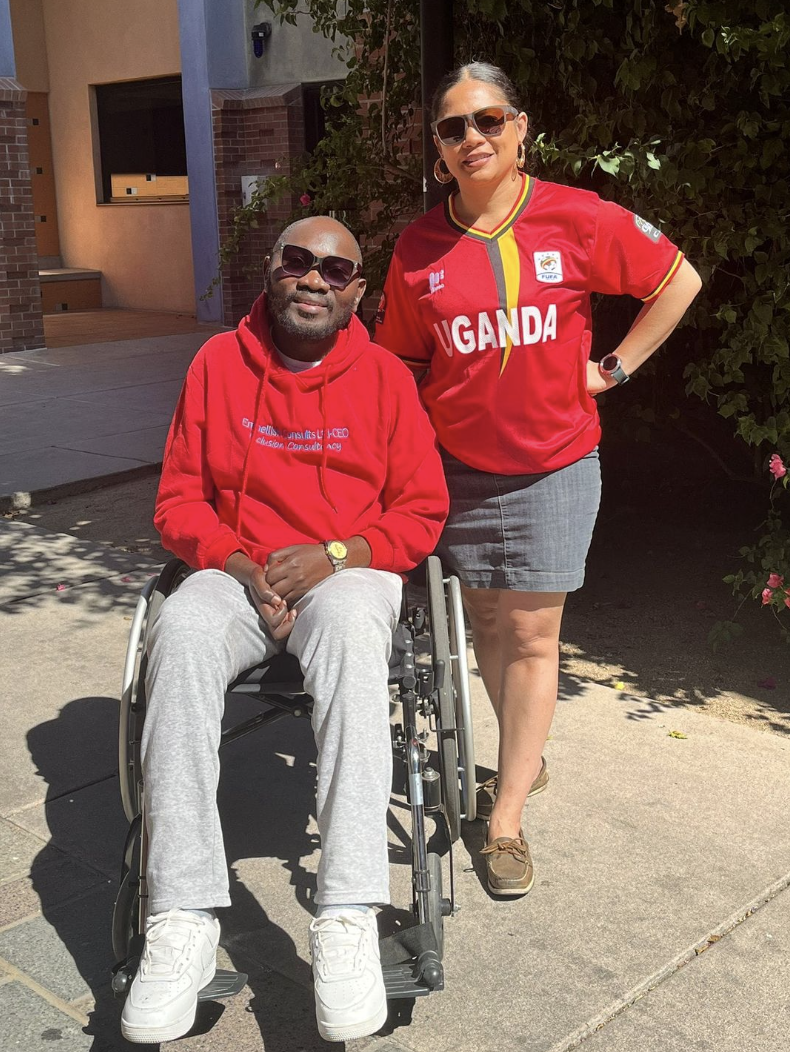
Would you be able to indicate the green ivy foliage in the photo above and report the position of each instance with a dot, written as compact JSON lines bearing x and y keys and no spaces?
{"x":368,"y":168}
{"x":680,"y":112}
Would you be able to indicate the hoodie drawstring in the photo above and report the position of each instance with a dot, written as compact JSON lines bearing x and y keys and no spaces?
{"x":245,"y":471}
{"x":322,"y":480}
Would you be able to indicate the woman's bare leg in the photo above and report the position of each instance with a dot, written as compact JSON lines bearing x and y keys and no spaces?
{"x":516,"y":640}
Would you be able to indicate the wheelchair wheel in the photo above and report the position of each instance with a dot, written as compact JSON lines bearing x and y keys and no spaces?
{"x":436,"y":907}
{"x":125,"y":914}
{"x":446,"y":718}
{"x":133,"y":684}
{"x":463,"y":701}
{"x":133,"y":676}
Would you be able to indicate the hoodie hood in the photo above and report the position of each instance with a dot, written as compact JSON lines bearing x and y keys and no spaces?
{"x":260,"y":458}
{"x":255,"y":338}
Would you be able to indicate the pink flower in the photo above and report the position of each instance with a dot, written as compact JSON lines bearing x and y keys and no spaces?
{"x":305,"y":200}
{"x":60,"y":588}
{"x":775,"y":581}
{"x":767,"y":595}
{"x":787,"y":603}
{"x":776,"y":466}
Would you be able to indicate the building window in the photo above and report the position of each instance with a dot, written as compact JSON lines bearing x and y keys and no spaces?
{"x":316,"y":116}
{"x":142,"y":148}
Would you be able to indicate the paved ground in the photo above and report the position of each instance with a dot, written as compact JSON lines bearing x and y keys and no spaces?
{"x":73,"y":416}
{"x":73,"y":328}
{"x":660,"y":917}
{"x":649,"y":849}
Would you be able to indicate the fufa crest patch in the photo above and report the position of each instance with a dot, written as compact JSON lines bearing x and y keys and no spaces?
{"x":647,"y":229}
{"x":548,"y":266}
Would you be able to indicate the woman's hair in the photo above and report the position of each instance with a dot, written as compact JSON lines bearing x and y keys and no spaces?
{"x":482,"y":71}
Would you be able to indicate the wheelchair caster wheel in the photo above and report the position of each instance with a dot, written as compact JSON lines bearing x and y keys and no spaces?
{"x":433,"y":975}
{"x":121,"y":982}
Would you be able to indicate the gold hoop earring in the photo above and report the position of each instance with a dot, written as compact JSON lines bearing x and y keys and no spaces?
{"x":441,"y":172}
{"x":521,"y":156}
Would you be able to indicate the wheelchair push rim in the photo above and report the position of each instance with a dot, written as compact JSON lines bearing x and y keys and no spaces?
{"x":132,"y":704}
{"x":463,"y":700}
{"x":130,"y":688}
{"x":445,"y":716}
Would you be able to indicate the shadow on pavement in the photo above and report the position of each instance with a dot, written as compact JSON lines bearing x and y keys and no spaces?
{"x":38,"y":565}
{"x":267,"y":803}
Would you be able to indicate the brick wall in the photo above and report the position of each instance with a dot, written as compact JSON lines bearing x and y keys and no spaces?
{"x":21,"y":326}
{"x":256,"y":132}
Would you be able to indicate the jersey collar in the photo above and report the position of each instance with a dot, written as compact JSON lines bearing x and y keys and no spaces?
{"x":490,"y":235}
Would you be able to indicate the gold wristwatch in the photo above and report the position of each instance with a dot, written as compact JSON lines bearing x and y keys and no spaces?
{"x":336,"y":553}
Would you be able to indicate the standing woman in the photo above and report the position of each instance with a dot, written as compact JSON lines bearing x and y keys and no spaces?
{"x":489,"y":296}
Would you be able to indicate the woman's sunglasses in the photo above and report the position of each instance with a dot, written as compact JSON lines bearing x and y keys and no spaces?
{"x":489,"y":122}
{"x":336,"y":271}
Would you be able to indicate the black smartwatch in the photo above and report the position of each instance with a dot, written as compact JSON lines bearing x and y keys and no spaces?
{"x":612,"y":366}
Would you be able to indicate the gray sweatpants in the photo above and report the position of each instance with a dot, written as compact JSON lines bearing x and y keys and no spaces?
{"x":206,"y":634}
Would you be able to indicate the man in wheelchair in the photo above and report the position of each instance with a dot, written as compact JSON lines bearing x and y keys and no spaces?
{"x":300,"y":480}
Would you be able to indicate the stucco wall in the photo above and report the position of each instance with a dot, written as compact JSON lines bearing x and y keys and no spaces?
{"x":292,"y":53}
{"x":30,"y":49}
{"x":142,"y":250}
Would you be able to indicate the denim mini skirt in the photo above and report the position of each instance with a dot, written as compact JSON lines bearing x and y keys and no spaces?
{"x":529,"y":533}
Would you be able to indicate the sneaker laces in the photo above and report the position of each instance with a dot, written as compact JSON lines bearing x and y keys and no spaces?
{"x":167,"y":937}
{"x":335,"y":938}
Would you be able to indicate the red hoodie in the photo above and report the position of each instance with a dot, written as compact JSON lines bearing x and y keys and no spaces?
{"x":246,"y":466}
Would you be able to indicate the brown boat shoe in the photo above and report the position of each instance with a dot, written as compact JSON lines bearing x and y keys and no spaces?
{"x":509,"y":866}
{"x":486,"y":791}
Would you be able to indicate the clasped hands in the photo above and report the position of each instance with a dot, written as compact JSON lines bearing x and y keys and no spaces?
{"x":288,"y":575}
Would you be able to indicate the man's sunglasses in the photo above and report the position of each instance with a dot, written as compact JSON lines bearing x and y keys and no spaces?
{"x":336,"y":271}
{"x":490,"y":122}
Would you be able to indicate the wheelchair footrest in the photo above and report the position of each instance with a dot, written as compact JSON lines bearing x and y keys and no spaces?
{"x":400,"y":981}
{"x":411,"y":962}
{"x":224,"y":984}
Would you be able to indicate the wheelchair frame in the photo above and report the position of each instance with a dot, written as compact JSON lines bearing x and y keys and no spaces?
{"x":431,"y":687}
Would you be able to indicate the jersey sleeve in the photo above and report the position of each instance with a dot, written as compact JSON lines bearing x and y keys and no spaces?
{"x":630,"y":255}
{"x":398,"y":326}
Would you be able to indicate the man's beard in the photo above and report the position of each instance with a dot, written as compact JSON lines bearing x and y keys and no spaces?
{"x":278,"y":302}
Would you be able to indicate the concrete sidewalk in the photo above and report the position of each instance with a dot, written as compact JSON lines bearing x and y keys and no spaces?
{"x":74,"y":416}
{"x":659,"y":920}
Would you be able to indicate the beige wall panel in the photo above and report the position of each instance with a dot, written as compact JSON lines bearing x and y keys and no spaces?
{"x":30,"y":49}
{"x":142,"y":186}
{"x":42,"y":175}
{"x":144,"y":251}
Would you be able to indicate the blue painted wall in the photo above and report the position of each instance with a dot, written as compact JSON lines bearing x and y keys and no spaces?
{"x":213,"y":55}
{"x":7,"y":63}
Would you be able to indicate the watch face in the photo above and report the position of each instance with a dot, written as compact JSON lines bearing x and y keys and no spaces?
{"x":610,"y":363}
{"x":338,"y":550}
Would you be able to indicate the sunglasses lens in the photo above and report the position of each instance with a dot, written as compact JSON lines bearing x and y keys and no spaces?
{"x":451,"y":130}
{"x":295,"y":261}
{"x":490,"y":122}
{"x":337,"y":271}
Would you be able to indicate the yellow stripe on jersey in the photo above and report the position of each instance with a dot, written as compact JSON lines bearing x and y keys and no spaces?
{"x":672,"y":270}
{"x":511,"y":216}
{"x":511,"y":266}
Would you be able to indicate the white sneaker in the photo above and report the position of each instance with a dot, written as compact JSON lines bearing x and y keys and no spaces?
{"x":179,"y":959}
{"x":350,"y":999}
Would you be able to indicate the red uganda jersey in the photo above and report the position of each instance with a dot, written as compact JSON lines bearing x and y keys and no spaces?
{"x":501,"y":320}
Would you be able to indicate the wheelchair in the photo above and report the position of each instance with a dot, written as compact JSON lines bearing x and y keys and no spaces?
{"x":432,"y":742}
